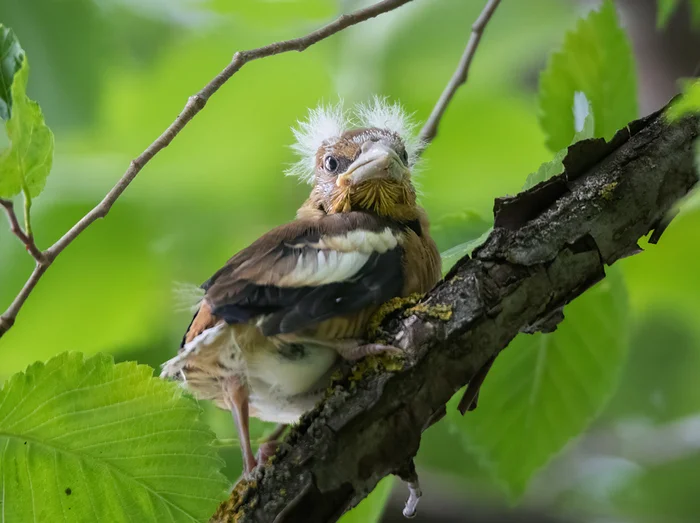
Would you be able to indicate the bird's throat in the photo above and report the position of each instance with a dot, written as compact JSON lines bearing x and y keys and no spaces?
{"x":383,"y":197}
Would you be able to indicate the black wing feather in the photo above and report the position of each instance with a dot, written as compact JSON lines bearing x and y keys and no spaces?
{"x":290,"y":309}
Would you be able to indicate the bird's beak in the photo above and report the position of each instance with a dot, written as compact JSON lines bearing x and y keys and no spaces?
{"x":377,"y":160}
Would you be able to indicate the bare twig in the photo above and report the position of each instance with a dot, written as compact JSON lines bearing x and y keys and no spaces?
{"x":195,"y":104}
{"x":459,"y":77}
{"x":26,"y":238}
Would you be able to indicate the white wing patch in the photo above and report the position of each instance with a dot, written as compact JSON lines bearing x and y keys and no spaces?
{"x":361,"y":241}
{"x":327,"y":267}
{"x":338,"y":258}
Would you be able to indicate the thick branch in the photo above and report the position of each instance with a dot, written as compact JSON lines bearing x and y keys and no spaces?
{"x":549,"y":244}
{"x":194,"y":105}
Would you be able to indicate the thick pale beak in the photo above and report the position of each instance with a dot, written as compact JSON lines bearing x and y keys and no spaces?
{"x":377,"y":160}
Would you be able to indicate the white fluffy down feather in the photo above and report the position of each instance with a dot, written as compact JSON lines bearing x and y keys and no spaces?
{"x":328,"y":122}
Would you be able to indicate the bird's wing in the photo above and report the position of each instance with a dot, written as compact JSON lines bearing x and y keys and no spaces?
{"x":308,"y":271}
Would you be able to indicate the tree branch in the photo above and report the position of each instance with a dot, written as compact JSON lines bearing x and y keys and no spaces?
{"x":195,"y":104}
{"x":15,"y":228}
{"x":459,"y":77}
{"x":549,"y":244}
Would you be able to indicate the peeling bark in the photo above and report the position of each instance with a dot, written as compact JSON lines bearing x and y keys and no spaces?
{"x":549,"y":245}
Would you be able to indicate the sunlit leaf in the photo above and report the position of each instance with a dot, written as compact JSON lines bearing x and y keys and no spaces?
{"x":687,"y":103}
{"x":88,"y":440}
{"x":11,"y":56}
{"x":545,"y":389}
{"x":596,"y":59}
{"x":583,"y":131}
{"x":25,"y":165}
{"x":371,"y":508}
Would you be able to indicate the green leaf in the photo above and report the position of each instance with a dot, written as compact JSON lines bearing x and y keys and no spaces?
{"x":25,"y":165}
{"x":88,"y":440}
{"x":11,"y":56}
{"x":584,"y":129}
{"x":456,"y":253}
{"x":687,"y":103}
{"x":459,"y":233}
{"x":458,"y":227}
{"x":596,"y":59}
{"x":664,"y":10}
{"x":370,"y":509}
{"x":544,"y":390}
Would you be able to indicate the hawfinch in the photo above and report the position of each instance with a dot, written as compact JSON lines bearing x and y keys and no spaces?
{"x":279,"y":315}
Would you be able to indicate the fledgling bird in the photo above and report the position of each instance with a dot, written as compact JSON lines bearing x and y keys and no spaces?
{"x":276,"y":319}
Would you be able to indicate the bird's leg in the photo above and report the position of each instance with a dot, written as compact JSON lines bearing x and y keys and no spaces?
{"x":266,"y":451}
{"x":276,"y":433}
{"x":237,"y":401}
{"x":270,"y":445}
{"x":352,"y":350}
{"x":471,"y":395}
{"x":409,"y":475}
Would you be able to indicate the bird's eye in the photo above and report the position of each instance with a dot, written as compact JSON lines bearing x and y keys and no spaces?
{"x":404,"y":156}
{"x":330,"y":164}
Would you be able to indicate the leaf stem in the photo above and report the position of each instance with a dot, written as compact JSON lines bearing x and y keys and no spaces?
{"x":26,"y":238}
{"x":27,"y":212}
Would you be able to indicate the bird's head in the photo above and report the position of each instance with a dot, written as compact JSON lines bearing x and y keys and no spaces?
{"x":360,"y":162}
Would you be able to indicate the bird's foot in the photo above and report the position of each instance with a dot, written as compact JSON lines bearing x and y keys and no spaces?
{"x":266,"y":451}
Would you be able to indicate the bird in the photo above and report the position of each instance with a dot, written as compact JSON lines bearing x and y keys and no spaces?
{"x":277,"y":319}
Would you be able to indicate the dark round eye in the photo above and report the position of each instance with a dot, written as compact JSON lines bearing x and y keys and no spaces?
{"x":330,"y":164}
{"x":404,"y":156}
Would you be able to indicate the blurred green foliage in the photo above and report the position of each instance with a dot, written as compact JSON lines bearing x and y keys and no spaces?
{"x":546,"y":388}
{"x":596,"y":59}
{"x":112,"y":74}
{"x":667,"y":8}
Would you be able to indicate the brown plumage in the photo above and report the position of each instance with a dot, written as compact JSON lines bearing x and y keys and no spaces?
{"x":281,"y":313}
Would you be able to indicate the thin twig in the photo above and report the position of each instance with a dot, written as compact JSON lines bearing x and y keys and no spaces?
{"x":459,"y":77}
{"x":195,"y":104}
{"x":26,"y":238}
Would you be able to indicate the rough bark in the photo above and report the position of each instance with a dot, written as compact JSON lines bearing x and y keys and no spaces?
{"x":549,"y":245}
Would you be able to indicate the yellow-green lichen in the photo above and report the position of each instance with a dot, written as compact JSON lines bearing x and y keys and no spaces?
{"x":372,"y":365}
{"x":233,"y":508}
{"x":393,"y":305}
{"x":607,"y":191}
{"x":441,"y":311}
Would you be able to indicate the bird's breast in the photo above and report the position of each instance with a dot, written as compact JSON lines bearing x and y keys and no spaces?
{"x":289,"y":369}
